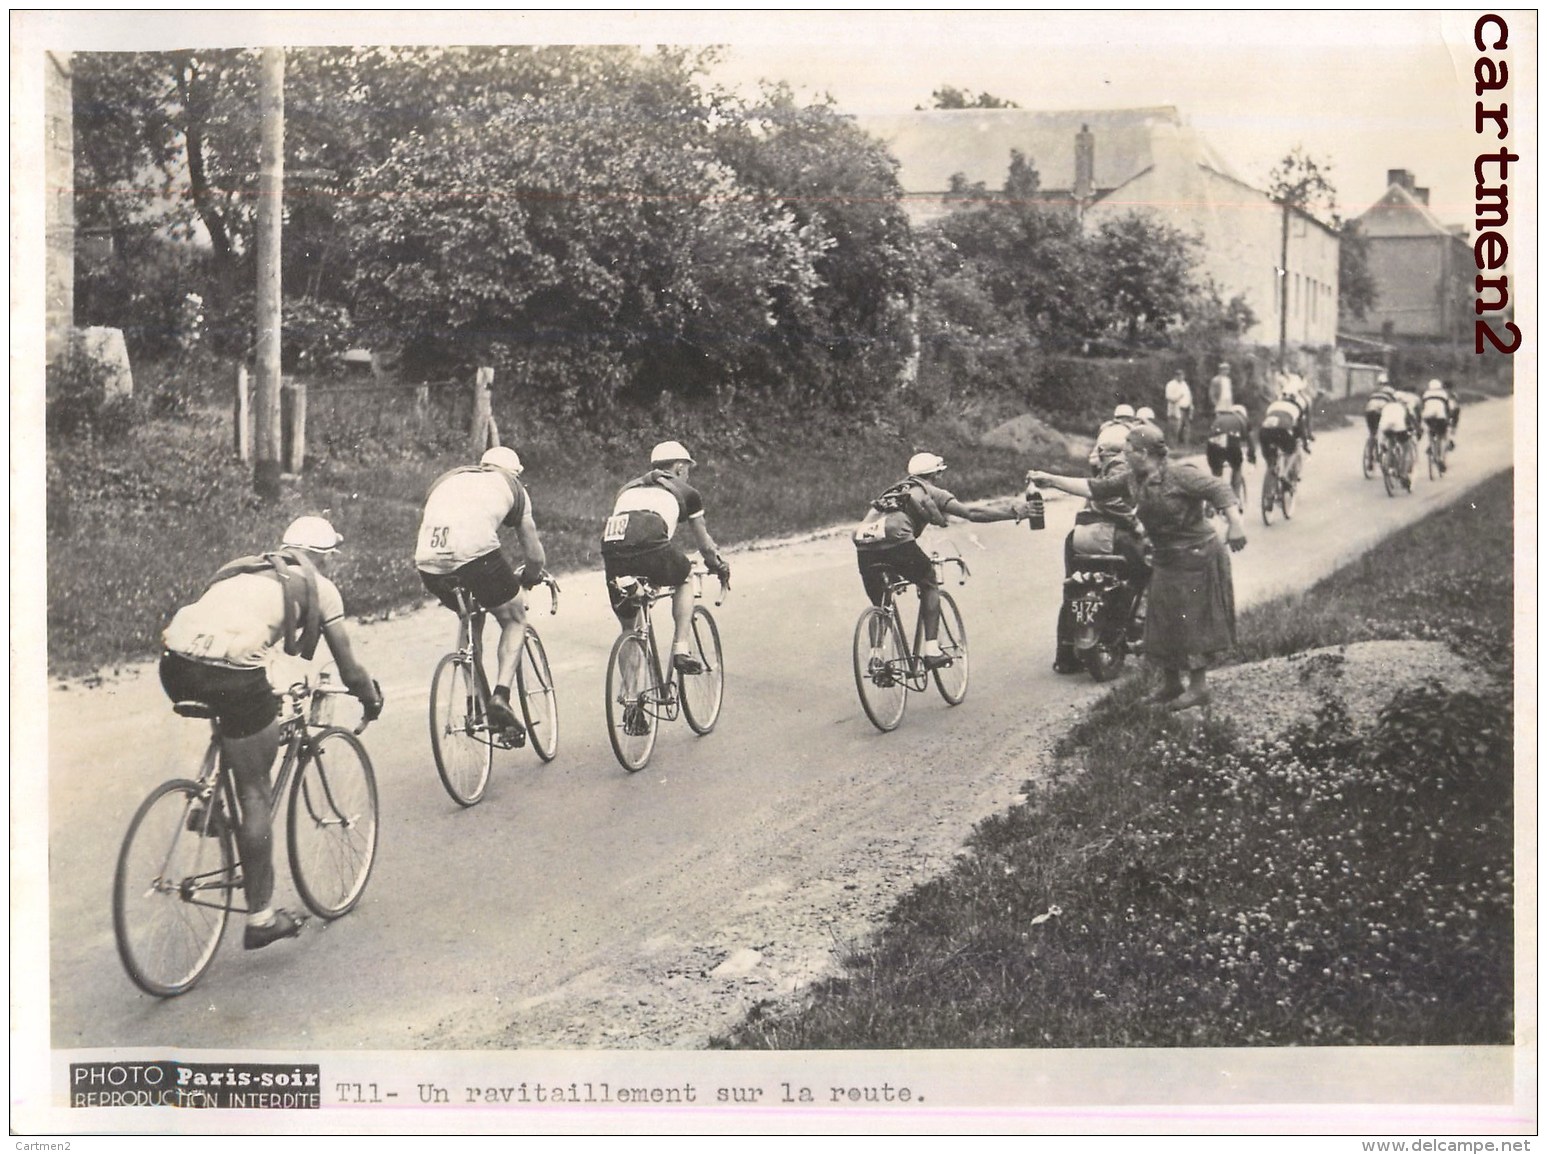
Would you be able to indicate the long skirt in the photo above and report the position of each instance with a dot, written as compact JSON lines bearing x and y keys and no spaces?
{"x":1191,"y":614}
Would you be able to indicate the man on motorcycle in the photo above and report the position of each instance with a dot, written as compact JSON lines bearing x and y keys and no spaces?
{"x":1103,"y":527}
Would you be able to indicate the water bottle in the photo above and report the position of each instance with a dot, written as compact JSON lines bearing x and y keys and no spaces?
{"x":1034,"y":515}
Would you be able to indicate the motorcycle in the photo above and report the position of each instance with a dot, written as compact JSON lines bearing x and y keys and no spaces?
{"x":1104,"y":605}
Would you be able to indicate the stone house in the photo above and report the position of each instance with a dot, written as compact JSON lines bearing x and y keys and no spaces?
{"x":1110,"y":162}
{"x":1422,"y":268}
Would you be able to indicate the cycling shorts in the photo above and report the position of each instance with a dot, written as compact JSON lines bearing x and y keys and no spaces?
{"x":1372,"y":421}
{"x":1276,"y":440}
{"x":1220,"y":456}
{"x":242,"y":700}
{"x":906,"y":559}
{"x":488,"y":578}
{"x":1438,"y":426}
{"x":662,"y":566}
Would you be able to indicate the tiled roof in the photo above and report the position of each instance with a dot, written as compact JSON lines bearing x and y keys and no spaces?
{"x":1401,"y":214}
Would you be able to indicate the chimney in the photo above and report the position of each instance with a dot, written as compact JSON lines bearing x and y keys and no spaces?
{"x":1084,"y":165}
{"x":1400,"y":176}
{"x":1422,"y":194}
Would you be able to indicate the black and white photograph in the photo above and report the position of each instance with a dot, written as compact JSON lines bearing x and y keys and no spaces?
{"x":775,"y":573}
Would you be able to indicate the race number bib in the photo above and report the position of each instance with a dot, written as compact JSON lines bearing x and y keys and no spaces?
{"x":616,"y":527}
{"x":1222,"y":440}
{"x":872,"y":529}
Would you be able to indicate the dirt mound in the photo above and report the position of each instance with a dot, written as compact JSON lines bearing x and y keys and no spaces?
{"x":1037,"y":439}
{"x":1265,"y":698}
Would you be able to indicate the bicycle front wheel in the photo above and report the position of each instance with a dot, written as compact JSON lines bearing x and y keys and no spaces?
{"x":880,"y":668}
{"x":172,"y":893}
{"x":539,"y":704}
{"x":951,"y":680}
{"x":1269,"y":496}
{"x":631,"y":721}
{"x":703,"y":694}
{"x":333,"y":823}
{"x":459,"y":739}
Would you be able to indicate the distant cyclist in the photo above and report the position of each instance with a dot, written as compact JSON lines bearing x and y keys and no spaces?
{"x":637,"y":542}
{"x":217,"y":651}
{"x":887,"y":540}
{"x":459,"y":545}
{"x":1398,"y":431}
{"x":1285,"y":432}
{"x":1382,"y":395}
{"x":1229,"y":435}
{"x":1440,"y":412}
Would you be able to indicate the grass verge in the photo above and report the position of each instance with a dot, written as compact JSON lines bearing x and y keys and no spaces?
{"x":136,"y":526}
{"x":1179,"y":886}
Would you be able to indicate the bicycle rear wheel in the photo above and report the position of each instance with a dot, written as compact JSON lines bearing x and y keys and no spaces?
{"x":333,"y":822}
{"x":459,"y":736}
{"x":1435,"y":466}
{"x":880,"y":668}
{"x":539,"y":703}
{"x":703,"y":694}
{"x":951,"y":680}
{"x":1388,"y":472}
{"x":1369,"y":461}
{"x":172,"y":893}
{"x":631,"y":720}
{"x":1286,"y":498}
{"x":1269,"y":495}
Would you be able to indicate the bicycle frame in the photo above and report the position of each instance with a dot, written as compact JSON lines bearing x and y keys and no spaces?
{"x":915,"y":675}
{"x":471,"y":617}
{"x":214,"y":781}
{"x":661,"y":700}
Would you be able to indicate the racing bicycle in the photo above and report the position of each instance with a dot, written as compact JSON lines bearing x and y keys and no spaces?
{"x":1278,"y":489}
{"x":1396,"y":464}
{"x":179,"y":871}
{"x":640,"y":694}
{"x":462,"y":738}
{"x":887,"y":667}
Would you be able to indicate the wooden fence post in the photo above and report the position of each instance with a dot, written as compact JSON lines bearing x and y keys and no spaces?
{"x":486,"y":434}
{"x":243,"y":416}
{"x":293,"y":434}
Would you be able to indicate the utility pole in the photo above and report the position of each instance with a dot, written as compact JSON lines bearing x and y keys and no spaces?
{"x":1283,"y":292}
{"x":271,"y":187}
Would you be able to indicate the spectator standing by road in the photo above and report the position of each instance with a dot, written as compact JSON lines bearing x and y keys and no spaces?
{"x":1221,"y":391}
{"x":1191,"y":613}
{"x":1179,"y":407}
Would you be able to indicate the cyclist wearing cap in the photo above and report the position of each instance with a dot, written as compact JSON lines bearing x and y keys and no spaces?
{"x":1441,"y":412}
{"x":637,"y":542}
{"x":1285,"y":431}
{"x":1228,"y":434}
{"x":459,"y":545}
{"x":887,"y":540}
{"x":1378,"y":400}
{"x":217,"y":651}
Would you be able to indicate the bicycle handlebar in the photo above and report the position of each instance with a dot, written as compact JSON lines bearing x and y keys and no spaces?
{"x":954,"y":559}
{"x":698,"y":577}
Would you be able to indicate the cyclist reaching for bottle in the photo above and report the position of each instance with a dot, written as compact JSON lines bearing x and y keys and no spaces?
{"x":887,"y":540}
{"x":637,"y":542}
{"x":217,"y":651}
{"x":459,"y":545}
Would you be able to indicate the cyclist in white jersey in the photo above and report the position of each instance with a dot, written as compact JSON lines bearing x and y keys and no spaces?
{"x":459,"y":545}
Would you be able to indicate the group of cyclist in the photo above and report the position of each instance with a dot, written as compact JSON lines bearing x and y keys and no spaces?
{"x":217,"y":650}
{"x":1397,"y":419}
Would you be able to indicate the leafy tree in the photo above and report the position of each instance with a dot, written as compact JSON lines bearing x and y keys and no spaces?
{"x":948,"y":97}
{"x":1143,"y":276}
{"x":1357,"y":291}
{"x":1302,"y":182}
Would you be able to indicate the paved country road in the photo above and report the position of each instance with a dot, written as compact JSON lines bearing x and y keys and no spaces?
{"x":580,"y":906}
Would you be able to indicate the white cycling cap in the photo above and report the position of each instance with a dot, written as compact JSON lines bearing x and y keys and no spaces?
{"x":502,"y":457}
{"x":1145,"y":414}
{"x":314,"y":533}
{"x":668,"y":451}
{"x":1123,"y":411}
{"x":1435,"y":386}
{"x":923,"y":464}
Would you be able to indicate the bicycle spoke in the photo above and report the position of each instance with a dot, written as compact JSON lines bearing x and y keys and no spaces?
{"x":332,"y":824}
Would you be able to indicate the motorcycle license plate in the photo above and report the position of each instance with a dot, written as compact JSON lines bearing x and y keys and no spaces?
{"x":1085,"y":611}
